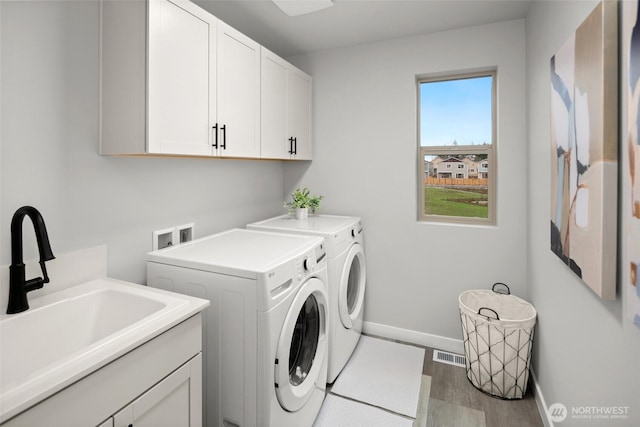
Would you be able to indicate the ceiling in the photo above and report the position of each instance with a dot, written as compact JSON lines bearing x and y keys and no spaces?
{"x":352,"y":22}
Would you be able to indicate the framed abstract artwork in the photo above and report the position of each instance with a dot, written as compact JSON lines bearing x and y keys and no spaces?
{"x":630,"y":157}
{"x":584,"y":150}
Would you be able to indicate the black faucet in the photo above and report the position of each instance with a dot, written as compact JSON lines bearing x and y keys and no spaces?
{"x":18,"y":285}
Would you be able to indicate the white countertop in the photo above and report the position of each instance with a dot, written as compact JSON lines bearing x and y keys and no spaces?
{"x":23,"y":385}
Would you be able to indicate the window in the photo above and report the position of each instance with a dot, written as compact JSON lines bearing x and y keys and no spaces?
{"x":456,"y":129}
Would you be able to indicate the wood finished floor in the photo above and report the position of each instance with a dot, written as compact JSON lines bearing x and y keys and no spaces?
{"x":454,"y":402}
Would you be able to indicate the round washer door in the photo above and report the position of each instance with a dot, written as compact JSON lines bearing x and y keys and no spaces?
{"x":352,"y":284}
{"x":302,"y":346}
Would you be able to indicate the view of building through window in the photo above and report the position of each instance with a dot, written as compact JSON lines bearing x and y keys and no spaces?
{"x":456,"y":148}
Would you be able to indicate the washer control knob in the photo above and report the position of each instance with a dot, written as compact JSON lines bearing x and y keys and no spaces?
{"x":310,"y":264}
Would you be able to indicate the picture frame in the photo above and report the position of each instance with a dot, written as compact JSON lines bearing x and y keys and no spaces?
{"x":584,"y":150}
{"x":630,"y":157}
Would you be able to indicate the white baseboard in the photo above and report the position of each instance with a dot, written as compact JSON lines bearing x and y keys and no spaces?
{"x":414,"y":337}
{"x":540,"y":402}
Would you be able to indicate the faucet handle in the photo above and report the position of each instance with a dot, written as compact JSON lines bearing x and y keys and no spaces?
{"x":44,"y":272}
{"x":37,"y":282}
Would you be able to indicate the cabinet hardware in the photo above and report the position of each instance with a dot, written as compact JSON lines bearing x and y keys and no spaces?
{"x":215,"y":132}
{"x":291,"y":145}
{"x":295,"y":145}
{"x":224,"y":137}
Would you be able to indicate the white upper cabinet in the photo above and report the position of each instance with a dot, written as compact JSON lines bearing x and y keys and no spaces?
{"x":175,"y":80}
{"x":299,"y":112}
{"x":285,"y":109}
{"x":166,"y":104}
{"x":274,"y":135}
{"x":238,"y":99}
{"x":181,"y":108}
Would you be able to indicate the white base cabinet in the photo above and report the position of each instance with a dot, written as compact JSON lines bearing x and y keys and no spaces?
{"x":170,"y":403}
{"x":157,"y":384}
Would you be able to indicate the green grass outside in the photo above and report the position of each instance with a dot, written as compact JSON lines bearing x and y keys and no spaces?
{"x":450,"y":202}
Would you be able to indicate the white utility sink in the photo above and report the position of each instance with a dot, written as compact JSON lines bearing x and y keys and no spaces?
{"x":66,"y":335}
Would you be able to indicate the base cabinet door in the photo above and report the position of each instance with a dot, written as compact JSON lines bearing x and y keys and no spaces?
{"x":175,"y":401}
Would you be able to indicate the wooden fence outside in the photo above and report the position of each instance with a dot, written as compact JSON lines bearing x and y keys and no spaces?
{"x":473,"y":182}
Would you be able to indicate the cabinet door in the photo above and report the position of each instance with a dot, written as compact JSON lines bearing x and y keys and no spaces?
{"x":299,"y":112}
{"x":181,"y":73}
{"x":285,"y":109}
{"x":274,"y":140}
{"x":238,"y":94}
{"x":175,"y":401}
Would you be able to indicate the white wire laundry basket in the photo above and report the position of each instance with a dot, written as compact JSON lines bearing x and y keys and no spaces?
{"x":497,"y":330}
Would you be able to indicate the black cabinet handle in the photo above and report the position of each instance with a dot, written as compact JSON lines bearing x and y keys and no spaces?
{"x":291,"y":145}
{"x":224,"y":137}
{"x":215,"y":131}
{"x":295,"y":145}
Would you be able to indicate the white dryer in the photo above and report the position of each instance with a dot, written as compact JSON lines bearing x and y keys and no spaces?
{"x":265,"y":341}
{"x":346,"y":268}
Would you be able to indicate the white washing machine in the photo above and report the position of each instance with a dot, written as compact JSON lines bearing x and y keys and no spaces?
{"x":346,"y":269}
{"x":265,"y":339}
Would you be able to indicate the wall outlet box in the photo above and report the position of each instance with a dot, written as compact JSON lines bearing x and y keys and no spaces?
{"x":164,"y":238}
{"x":185,"y":232}
{"x":172,"y":236}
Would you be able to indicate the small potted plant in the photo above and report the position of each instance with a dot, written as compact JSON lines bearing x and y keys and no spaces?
{"x":302,"y":201}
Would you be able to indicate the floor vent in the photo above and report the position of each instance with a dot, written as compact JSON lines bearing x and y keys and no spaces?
{"x":449,"y":358}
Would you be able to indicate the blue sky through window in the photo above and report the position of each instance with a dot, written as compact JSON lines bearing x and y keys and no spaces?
{"x":455,"y":110}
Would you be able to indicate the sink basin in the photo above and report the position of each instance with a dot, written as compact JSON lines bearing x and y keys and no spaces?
{"x":68,"y":334}
{"x":44,"y":335}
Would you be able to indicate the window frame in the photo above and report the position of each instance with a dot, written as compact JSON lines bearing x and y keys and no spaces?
{"x":490,"y":150}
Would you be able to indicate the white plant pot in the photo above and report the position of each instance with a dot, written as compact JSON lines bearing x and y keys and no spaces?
{"x":302,"y":213}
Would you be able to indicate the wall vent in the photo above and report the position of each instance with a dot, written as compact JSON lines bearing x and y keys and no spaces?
{"x":449,"y":358}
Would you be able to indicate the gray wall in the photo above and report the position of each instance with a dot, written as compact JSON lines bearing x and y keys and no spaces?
{"x":49,"y":152}
{"x":586,"y":351}
{"x":365,"y":143}
{"x":365,"y":103}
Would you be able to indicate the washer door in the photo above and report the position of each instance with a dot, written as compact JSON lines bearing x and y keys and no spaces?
{"x":302,"y":346}
{"x":352,"y":283}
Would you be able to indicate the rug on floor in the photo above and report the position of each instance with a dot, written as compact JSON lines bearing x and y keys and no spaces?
{"x":383,"y":373}
{"x":337,"y":411}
